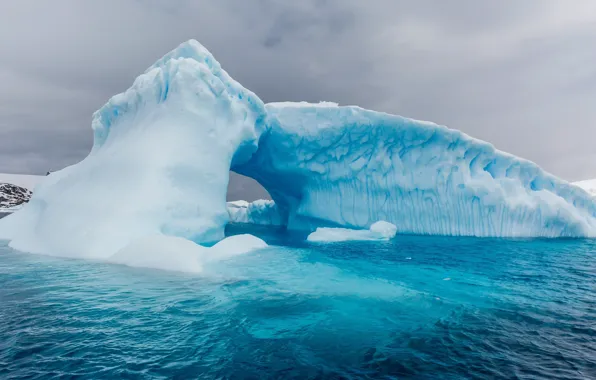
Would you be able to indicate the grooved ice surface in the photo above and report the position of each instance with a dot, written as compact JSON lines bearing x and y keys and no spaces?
{"x":163,"y":149}
{"x":326,"y":165}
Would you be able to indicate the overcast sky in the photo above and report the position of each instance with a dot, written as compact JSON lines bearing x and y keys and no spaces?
{"x":519,"y":74}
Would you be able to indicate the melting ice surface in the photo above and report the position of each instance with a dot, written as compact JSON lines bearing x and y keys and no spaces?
{"x":296,"y":310}
{"x":163,"y":150}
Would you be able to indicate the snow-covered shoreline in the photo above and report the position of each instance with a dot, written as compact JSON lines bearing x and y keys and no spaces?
{"x":15,"y":191}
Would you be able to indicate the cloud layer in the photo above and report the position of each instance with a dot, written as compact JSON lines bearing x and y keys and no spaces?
{"x":521,"y":75}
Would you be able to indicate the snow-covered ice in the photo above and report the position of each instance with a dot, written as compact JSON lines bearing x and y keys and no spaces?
{"x":163,"y":150}
{"x":162,"y":252}
{"x":378,"y":231}
{"x":262,"y":212}
{"x":383,"y":230}
{"x":236,"y":245}
{"x":182,"y":255}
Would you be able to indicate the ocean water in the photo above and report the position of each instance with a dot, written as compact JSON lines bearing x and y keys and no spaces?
{"x":417,"y":307}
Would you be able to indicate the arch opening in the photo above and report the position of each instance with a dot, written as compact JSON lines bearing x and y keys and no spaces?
{"x":244,"y":188}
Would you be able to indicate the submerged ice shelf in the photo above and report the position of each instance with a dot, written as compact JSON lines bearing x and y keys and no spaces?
{"x":163,"y":150}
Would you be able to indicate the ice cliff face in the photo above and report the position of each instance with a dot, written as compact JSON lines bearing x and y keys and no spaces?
{"x":163,"y":149}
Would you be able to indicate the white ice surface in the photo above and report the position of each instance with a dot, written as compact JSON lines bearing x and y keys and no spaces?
{"x":162,"y":252}
{"x":236,"y":245}
{"x":378,"y":231}
{"x":238,"y":204}
{"x":182,"y":255}
{"x":588,"y":185}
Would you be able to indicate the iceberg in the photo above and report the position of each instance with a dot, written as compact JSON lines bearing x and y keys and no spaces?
{"x":262,"y":212}
{"x":378,"y":231}
{"x":163,"y":150}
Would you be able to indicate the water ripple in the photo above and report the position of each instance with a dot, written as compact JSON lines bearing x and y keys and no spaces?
{"x":520,"y":309}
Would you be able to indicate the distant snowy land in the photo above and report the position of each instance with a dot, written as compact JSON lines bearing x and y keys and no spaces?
{"x":15,"y":191}
{"x":588,"y":185}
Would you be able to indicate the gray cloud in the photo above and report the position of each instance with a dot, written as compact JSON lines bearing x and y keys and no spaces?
{"x":521,"y":75}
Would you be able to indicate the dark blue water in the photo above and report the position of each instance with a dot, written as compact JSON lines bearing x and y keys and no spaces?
{"x":417,"y":307}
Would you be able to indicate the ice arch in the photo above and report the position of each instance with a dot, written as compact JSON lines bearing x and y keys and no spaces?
{"x":163,"y":149}
{"x":326,"y":165}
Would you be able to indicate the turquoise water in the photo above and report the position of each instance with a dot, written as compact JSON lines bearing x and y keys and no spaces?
{"x":417,"y":307}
